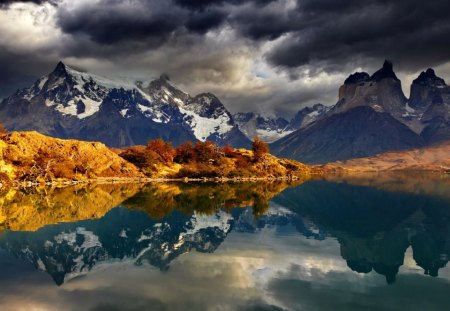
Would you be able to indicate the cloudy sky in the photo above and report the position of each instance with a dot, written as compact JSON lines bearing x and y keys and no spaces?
{"x":268,"y":56}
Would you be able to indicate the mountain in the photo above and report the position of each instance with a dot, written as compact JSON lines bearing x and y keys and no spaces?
{"x":430,"y":103}
{"x":382,"y":92}
{"x":308,"y":115}
{"x":373,"y":116}
{"x":271,"y":129}
{"x":71,"y":104}
{"x":358,"y":132}
{"x":268,"y":129}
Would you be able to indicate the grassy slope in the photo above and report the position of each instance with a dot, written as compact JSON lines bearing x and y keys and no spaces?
{"x":30,"y":156}
{"x":33,"y":156}
{"x":435,"y":158}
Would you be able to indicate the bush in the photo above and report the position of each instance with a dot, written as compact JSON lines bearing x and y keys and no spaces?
{"x":185,"y":153}
{"x":198,"y":170}
{"x":259,"y":149}
{"x":206,"y":151}
{"x":163,"y":149}
{"x":242,"y":161}
{"x":141,"y":157}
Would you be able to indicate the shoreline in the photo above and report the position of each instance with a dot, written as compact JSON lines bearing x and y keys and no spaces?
{"x":145,"y":180}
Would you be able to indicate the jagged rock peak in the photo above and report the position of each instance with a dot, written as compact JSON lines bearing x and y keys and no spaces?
{"x":357,"y":77}
{"x":164,"y":77}
{"x":429,"y":76}
{"x":60,"y":69}
{"x":60,"y":65}
{"x":387,"y":71}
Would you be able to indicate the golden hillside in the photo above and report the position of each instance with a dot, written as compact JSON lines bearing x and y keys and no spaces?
{"x":32,"y":156}
{"x":435,"y":158}
{"x":36,"y":158}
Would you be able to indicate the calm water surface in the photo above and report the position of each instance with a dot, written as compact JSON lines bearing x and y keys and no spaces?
{"x":366,"y":243}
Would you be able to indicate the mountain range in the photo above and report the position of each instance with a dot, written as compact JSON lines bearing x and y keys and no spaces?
{"x":71,"y":104}
{"x":372,"y":115}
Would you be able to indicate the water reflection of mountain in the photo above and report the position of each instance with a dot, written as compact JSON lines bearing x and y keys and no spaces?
{"x":155,"y":226}
{"x":69,"y":250}
{"x":375,"y":227}
{"x":158,"y":223}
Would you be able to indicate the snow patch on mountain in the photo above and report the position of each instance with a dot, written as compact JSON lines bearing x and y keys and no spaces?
{"x":205,"y":127}
{"x":81,"y":78}
{"x":221,"y":220}
{"x":90,"y":240}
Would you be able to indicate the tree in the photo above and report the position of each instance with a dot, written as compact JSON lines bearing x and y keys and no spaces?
{"x":185,"y":153}
{"x":141,"y":157}
{"x":206,"y":151}
{"x":163,"y":149}
{"x":259,"y":149}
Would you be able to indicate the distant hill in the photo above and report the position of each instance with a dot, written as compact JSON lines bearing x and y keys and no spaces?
{"x":434,"y":158}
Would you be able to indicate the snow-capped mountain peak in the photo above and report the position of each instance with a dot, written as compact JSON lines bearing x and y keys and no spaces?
{"x":71,"y":96}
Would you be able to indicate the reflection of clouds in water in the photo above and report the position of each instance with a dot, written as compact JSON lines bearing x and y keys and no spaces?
{"x":249,"y":272}
{"x":233,"y":277}
{"x":345,"y":291}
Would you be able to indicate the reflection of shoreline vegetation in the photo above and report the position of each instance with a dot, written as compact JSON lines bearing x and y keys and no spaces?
{"x":29,"y":209}
{"x":205,"y":198}
{"x":32,"y":208}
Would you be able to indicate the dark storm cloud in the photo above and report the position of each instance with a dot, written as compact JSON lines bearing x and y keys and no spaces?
{"x":245,"y":50}
{"x":202,"y":4}
{"x":20,"y":70}
{"x":332,"y":34}
{"x":264,"y":24}
{"x":205,"y":21}
{"x":111,"y":21}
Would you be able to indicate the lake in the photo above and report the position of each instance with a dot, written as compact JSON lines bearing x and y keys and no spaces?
{"x":368,"y":242}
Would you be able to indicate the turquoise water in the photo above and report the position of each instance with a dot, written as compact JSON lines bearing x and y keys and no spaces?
{"x":320,"y":245}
